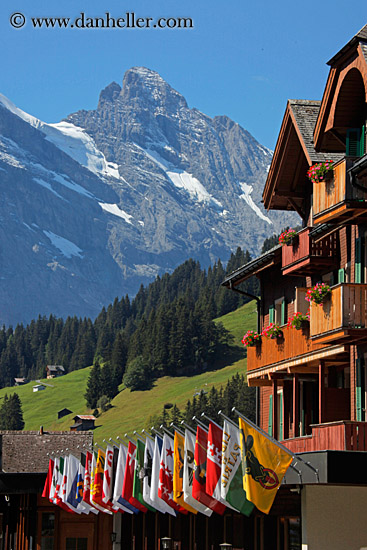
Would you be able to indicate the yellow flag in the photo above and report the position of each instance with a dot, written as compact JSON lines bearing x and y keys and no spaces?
{"x":98,"y":476}
{"x":264,"y":465}
{"x":178,"y":464}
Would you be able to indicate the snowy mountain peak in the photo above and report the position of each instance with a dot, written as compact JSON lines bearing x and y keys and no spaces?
{"x":140,"y":82}
{"x":107,"y":199}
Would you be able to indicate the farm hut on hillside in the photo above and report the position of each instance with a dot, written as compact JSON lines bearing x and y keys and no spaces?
{"x":83,"y":422}
{"x":53,"y":371}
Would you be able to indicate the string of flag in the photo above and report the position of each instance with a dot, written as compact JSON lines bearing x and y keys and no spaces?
{"x":235,"y":467}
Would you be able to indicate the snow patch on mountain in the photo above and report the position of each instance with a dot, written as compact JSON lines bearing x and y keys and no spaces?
{"x":72,"y":140}
{"x":183,"y":180}
{"x":76,"y":143}
{"x":48,"y":186}
{"x":116,"y":211}
{"x":192,"y":185}
{"x":5,"y":102}
{"x":66,"y":247}
{"x":246,"y":196}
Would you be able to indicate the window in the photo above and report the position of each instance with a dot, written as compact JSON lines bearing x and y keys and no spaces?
{"x":300,"y":303}
{"x":279,"y":307}
{"x":74,"y":543}
{"x":48,"y":531}
{"x":355,"y":142}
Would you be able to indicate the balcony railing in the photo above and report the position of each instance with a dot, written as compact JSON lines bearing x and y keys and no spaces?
{"x":342,"y":316}
{"x":337,"y":199}
{"x":294,"y":343}
{"x":305,"y":255}
{"x":343,"y":435}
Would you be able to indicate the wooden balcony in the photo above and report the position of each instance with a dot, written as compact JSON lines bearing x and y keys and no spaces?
{"x":343,"y":435}
{"x":295,"y":346}
{"x":342,"y":317}
{"x":337,"y":200}
{"x":304,"y":256}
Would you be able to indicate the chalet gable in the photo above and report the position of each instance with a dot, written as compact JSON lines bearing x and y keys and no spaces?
{"x":287,"y":186}
{"x":343,"y":106}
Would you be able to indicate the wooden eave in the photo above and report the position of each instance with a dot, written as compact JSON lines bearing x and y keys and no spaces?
{"x":284,"y":189}
{"x":325,"y":108}
{"x":352,"y":58}
{"x":302,"y":364}
{"x":254,"y":267}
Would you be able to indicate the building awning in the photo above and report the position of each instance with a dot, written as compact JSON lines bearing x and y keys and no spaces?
{"x":312,"y":357}
{"x":334,"y":467}
{"x":246,"y":271}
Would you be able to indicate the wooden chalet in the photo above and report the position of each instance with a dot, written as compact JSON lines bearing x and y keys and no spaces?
{"x":83,"y":422}
{"x":54,"y":371}
{"x":312,"y":382}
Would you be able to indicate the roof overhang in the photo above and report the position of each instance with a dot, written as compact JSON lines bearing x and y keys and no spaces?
{"x":286,"y":184}
{"x":328,"y":136}
{"x":254,"y":267}
{"x":302,"y":363}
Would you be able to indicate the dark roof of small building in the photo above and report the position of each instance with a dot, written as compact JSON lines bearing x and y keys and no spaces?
{"x":64,"y":409}
{"x":55,"y":368}
{"x":305,"y":112}
{"x":26,"y":451}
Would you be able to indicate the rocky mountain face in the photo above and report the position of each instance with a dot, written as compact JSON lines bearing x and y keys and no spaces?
{"x":105,"y":200}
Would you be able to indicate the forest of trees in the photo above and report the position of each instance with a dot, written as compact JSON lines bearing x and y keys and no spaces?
{"x":235,"y":393}
{"x":167,"y":328}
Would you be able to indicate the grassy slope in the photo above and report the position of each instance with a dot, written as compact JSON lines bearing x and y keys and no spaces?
{"x":131,"y":410}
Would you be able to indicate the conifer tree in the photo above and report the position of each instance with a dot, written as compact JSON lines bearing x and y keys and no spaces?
{"x":11,"y":415}
{"x":108,"y":383}
{"x":94,"y":387}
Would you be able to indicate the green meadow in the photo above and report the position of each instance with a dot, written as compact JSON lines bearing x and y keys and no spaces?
{"x":131,"y":410}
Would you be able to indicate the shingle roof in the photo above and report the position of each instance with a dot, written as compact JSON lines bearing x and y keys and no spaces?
{"x":305,"y":112}
{"x":52,"y":368}
{"x":360,"y":36}
{"x":27,"y":451}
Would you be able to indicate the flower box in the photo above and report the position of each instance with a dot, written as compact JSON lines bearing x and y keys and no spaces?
{"x":251,"y":338}
{"x":319,"y":293}
{"x":289,"y":237}
{"x":322,"y":171}
{"x":273,"y":331}
{"x":298,"y":321}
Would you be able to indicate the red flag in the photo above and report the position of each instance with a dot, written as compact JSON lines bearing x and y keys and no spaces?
{"x":87,"y":478}
{"x":214,"y":463}
{"x":128,"y":485}
{"x":214,"y":459}
{"x":107,"y":476}
{"x":47,"y":487}
{"x":199,"y":481}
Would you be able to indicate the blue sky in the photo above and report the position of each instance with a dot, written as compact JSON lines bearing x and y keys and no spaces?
{"x":243,"y":59}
